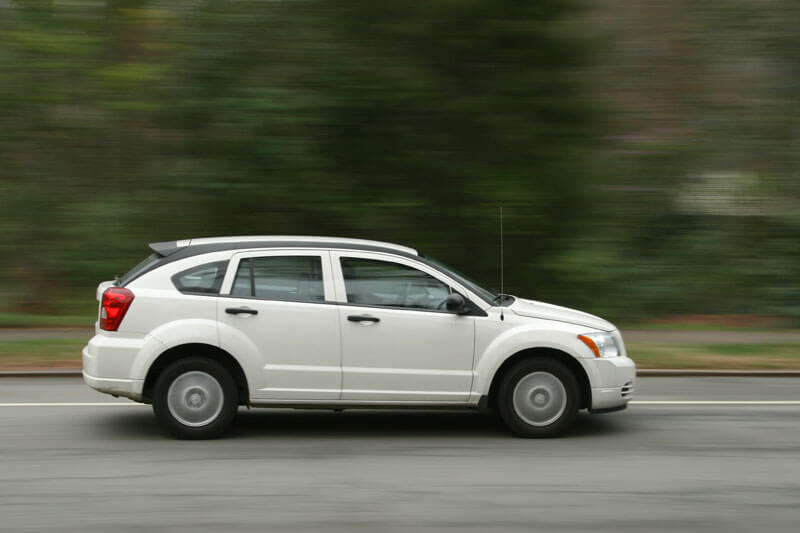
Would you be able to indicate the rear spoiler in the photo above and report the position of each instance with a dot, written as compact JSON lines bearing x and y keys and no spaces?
{"x":167,"y":248}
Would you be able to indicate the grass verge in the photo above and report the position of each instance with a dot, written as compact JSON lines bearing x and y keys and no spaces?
{"x":20,"y":320}
{"x":66,"y":353}
{"x":716,"y":356}
{"x":41,"y":353}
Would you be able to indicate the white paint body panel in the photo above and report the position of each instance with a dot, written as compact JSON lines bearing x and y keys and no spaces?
{"x":410,"y":355}
{"x":298,"y":353}
{"x":535,"y":309}
{"x":296,"y":343}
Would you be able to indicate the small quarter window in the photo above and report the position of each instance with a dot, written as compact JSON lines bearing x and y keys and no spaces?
{"x":203,"y":279}
{"x":286,"y":278}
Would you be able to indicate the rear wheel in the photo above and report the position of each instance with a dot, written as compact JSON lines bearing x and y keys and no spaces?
{"x":195,"y":398}
{"x":538,"y":398}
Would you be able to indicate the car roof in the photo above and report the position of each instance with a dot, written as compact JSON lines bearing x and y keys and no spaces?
{"x":170,"y":251}
{"x":196,"y":246}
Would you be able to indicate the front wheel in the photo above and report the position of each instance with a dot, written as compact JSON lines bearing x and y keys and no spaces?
{"x":195,"y":398}
{"x":538,"y":398}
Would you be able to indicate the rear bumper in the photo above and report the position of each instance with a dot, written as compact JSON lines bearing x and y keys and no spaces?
{"x":129,"y":388}
{"x":112,"y":355}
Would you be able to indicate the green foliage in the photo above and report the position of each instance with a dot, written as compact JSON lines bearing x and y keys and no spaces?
{"x":128,"y":122}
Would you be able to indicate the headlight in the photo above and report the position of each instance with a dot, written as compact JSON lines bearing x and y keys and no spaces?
{"x":602,"y":344}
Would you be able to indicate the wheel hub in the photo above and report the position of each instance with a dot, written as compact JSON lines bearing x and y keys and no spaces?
{"x":195,"y":398}
{"x":539,"y":398}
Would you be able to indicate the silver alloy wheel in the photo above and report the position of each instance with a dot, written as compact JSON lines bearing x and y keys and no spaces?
{"x":195,"y":398}
{"x":540,"y":398}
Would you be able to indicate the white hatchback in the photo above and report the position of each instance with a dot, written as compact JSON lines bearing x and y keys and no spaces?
{"x":203,"y":326}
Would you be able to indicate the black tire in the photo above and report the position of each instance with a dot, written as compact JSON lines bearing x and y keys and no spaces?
{"x":218,"y":424}
{"x":560,"y":420}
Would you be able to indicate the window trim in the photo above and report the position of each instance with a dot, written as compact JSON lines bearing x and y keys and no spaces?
{"x":236,"y":259}
{"x":341,"y":291}
{"x":474,"y":310}
{"x":223,"y":266}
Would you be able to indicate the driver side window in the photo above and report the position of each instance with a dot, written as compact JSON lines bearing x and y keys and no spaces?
{"x":383,"y":283}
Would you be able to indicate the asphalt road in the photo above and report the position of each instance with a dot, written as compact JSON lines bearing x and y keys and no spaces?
{"x":655,"y":467}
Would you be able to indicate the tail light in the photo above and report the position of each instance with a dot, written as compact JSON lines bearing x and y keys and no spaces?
{"x":113,"y":307}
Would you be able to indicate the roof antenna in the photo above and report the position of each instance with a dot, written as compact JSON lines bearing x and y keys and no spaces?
{"x":502,"y":288}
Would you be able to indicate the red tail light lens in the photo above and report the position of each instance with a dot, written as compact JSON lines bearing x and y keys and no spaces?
{"x":115,"y":304}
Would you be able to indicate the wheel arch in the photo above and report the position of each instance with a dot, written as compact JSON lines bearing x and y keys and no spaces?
{"x":544,"y":353}
{"x":169,"y":356}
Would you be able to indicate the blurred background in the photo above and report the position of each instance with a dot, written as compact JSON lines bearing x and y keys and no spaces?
{"x":646,"y":153}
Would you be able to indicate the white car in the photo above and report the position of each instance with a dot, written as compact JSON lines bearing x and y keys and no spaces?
{"x":203,"y":326}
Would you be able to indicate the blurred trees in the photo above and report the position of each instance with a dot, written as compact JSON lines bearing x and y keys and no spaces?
{"x":645,"y":153}
{"x":704,"y":148}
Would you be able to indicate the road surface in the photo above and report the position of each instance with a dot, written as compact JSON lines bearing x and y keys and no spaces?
{"x":655,"y":467}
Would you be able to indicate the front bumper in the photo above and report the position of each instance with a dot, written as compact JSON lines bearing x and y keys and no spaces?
{"x":613,"y":380}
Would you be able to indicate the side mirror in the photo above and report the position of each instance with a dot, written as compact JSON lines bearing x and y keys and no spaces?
{"x":455,"y":303}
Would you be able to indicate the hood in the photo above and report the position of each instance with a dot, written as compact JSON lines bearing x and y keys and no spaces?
{"x":534,"y":309}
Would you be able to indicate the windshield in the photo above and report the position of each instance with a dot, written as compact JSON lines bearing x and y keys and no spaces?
{"x":488,"y":296}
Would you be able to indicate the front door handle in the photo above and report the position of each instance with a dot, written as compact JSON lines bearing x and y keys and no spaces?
{"x":241,"y":311}
{"x":363,"y":318}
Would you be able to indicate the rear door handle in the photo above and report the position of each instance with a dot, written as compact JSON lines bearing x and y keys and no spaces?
{"x":363,"y":318}
{"x":241,"y":311}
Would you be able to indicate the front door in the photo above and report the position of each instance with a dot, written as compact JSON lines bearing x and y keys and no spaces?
{"x":399,"y":344}
{"x":277,"y":306}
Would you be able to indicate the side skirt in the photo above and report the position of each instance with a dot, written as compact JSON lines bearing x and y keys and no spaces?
{"x":350,"y":404}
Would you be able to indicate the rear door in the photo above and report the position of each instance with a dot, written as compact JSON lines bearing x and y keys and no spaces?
{"x":278,"y":306}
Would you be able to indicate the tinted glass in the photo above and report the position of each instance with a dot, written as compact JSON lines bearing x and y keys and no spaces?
{"x":242,"y":282}
{"x":372,"y":282}
{"x":287,"y":278}
{"x":149,"y":262}
{"x":203,"y":279}
{"x":488,"y":296}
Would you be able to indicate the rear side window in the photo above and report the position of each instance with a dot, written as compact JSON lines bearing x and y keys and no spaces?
{"x":203,"y":279}
{"x":285,"y":278}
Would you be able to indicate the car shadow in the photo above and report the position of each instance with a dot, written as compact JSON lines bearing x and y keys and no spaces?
{"x":368,"y":423}
{"x":265,"y":423}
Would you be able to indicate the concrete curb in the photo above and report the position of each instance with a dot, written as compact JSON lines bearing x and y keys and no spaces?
{"x":671,"y":373}
{"x":645,"y":372}
{"x":40,"y":373}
